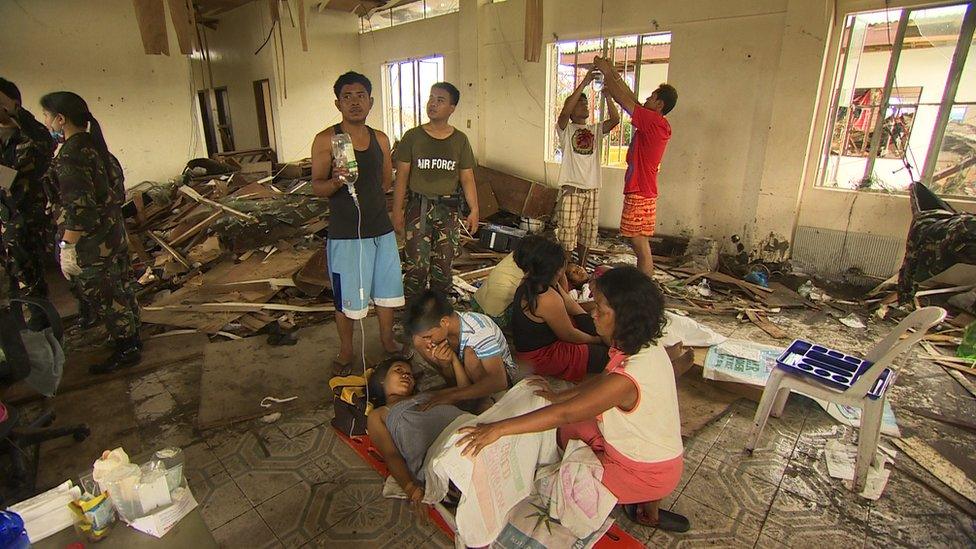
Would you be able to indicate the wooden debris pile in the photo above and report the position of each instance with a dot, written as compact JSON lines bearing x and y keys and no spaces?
{"x":229,"y":253}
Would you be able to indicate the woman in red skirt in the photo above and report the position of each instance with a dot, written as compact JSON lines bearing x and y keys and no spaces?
{"x":551,"y":331}
{"x":629,"y":414}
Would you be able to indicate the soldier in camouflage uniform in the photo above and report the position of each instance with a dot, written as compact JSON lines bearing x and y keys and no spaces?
{"x":38,"y":205}
{"x":94,"y":248}
{"x":432,"y":161}
{"x":22,"y":246}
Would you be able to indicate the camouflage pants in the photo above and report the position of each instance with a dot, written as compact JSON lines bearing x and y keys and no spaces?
{"x":24,"y":249}
{"x":107,"y":289}
{"x":432,"y":240}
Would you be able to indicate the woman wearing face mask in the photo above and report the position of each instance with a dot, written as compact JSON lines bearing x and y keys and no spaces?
{"x":94,"y":248}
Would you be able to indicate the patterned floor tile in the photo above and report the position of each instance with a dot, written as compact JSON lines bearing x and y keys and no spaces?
{"x":339,"y":461}
{"x":743,"y":413}
{"x":766,"y":542}
{"x":220,"y":499}
{"x":708,"y":527}
{"x":807,"y":476}
{"x":906,"y":513}
{"x":768,"y":461}
{"x":247,"y":530}
{"x":269,"y":448}
{"x":307,"y":420}
{"x":730,"y":490}
{"x":804,"y":523}
{"x":260,"y":485}
{"x":383,"y":523}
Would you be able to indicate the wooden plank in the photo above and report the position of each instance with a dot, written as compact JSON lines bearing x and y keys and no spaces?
{"x":760,"y":320}
{"x":967,"y":425}
{"x":302,"y":26}
{"x":151,"y":18}
{"x":181,"y":12}
{"x":169,"y":249}
{"x":280,"y":265}
{"x":192,"y":231}
{"x":189,"y":191}
{"x":219,"y":307}
{"x":533,"y":30}
{"x":940,"y":467}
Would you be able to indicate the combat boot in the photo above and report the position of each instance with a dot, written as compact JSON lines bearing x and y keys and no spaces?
{"x":128,"y":353}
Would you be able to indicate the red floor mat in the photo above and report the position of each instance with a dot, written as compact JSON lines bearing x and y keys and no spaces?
{"x":615,"y":538}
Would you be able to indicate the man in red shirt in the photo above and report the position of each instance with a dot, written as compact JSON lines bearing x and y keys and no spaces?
{"x":651,"y":135}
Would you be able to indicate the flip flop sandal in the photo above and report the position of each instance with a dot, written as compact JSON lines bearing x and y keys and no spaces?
{"x":340,"y":369}
{"x":666,"y":520}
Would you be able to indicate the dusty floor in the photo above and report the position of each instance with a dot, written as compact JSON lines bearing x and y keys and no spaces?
{"x":312,"y":489}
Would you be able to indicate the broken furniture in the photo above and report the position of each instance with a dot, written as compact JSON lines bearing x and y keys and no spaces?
{"x":863,"y":388}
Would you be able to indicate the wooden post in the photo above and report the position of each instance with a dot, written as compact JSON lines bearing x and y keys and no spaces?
{"x":151,"y":18}
{"x":302,"y":26}
{"x":181,"y":12}
{"x":533,"y":30}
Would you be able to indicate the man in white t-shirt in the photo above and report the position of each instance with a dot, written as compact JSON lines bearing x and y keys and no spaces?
{"x":579,"y":176}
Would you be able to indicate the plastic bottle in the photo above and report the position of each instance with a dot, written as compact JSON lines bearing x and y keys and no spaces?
{"x":344,"y":155}
{"x":12,"y":532}
{"x":597,"y":81}
{"x":967,"y":349}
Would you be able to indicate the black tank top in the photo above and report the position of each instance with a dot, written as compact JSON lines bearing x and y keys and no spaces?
{"x":344,"y":222}
{"x":529,"y":335}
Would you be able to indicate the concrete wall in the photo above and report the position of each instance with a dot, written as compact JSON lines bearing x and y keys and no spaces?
{"x":144,"y":103}
{"x":302,"y":92}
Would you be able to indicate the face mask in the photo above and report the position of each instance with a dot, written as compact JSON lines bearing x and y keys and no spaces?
{"x":58,"y":136}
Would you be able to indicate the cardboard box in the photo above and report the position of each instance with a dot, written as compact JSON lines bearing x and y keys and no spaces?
{"x":163,"y":520}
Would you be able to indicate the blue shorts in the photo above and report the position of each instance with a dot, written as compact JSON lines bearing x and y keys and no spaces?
{"x":381,"y":280}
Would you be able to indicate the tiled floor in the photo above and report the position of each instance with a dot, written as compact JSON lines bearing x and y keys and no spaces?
{"x":293,"y":483}
{"x":313,"y":490}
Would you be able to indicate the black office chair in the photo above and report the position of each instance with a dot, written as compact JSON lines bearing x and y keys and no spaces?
{"x":17,"y":440}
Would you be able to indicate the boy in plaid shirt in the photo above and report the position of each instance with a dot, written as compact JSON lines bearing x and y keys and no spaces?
{"x":579,"y":176}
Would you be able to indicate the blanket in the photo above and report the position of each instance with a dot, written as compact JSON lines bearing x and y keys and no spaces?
{"x":503,"y":477}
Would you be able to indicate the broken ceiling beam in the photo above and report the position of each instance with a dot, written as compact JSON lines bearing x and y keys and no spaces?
{"x":181,"y":12}
{"x":302,"y":25}
{"x":533,"y":30}
{"x":151,"y":18}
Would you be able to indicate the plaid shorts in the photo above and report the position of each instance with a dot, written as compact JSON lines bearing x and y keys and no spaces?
{"x":576,"y":217}
{"x":639,"y":215}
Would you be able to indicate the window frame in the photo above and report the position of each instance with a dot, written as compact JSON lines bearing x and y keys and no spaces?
{"x":957,"y":64}
{"x":365,"y":23}
{"x":418,"y":103}
{"x":552,"y":89}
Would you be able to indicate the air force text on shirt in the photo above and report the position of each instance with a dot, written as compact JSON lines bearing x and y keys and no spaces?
{"x":436,"y":164}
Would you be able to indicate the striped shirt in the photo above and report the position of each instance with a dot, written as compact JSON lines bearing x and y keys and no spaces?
{"x":486,"y":339}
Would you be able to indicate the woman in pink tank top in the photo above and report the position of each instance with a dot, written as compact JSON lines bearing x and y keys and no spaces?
{"x":628,"y":414}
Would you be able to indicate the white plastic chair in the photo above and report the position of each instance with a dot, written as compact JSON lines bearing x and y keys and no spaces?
{"x":882,"y":355}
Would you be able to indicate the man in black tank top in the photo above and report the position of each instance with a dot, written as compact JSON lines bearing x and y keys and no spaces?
{"x":364,"y":263}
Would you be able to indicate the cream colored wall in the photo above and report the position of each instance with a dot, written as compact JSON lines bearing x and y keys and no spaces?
{"x":725,"y":57}
{"x":144,"y":103}
{"x":302,"y":92}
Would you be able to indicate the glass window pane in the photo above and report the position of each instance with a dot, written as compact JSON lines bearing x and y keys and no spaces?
{"x":380,"y":20}
{"x":441,"y":7}
{"x":920,"y":79}
{"x":865,"y":57}
{"x":405,"y":13}
{"x":967,"y":82}
{"x":955,"y":169}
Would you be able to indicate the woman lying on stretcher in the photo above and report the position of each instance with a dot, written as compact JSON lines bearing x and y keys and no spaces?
{"x":628,"y":415}
{"x":400,"y":429}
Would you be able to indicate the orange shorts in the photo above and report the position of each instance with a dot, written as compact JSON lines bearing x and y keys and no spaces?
{"x":639,"y":215}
